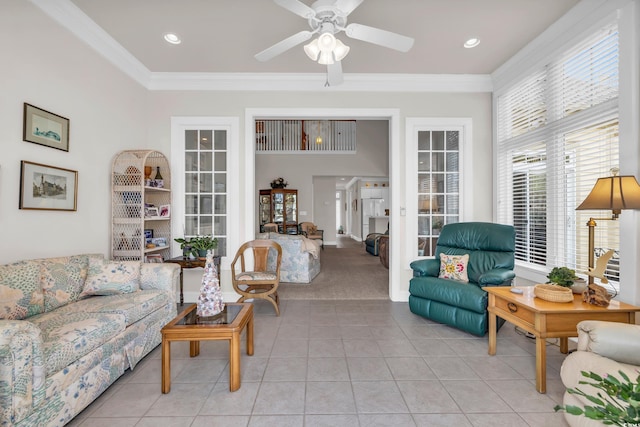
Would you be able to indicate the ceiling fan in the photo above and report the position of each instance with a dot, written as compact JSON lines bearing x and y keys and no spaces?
{"x":327,"y":18}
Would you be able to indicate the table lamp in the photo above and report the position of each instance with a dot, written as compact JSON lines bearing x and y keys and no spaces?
{"x":615,"y":193}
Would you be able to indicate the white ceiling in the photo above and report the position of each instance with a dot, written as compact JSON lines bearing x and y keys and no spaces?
{"x":221,"y":36}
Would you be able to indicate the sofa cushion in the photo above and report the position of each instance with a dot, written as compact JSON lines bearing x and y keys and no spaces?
{"x":63,"y":279}
{"x":111,"y":277}
{"x":133,"y":306}
{"x":68,"y":336}
{"x":454,"y":267}
{"x":465,"y":295}
{"x":20,"y":291}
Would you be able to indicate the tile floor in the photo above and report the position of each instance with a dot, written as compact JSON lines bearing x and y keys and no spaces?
{"x":341,"y":363}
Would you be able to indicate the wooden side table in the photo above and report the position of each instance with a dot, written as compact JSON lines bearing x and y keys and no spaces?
{"x":192,"y":263}
{"x":228,"y":325}
{"x":546,"y":319}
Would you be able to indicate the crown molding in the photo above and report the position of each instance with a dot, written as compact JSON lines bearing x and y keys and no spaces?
{"x":77,"y":22}
{"x":316,"y":82}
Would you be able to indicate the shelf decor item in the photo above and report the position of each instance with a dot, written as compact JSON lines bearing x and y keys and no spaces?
{"x":47,"y":187}
{"x":210,"y":301}
{"x":279,"y":183}
{"x":45,"y":128}
{"x":553,"y":293}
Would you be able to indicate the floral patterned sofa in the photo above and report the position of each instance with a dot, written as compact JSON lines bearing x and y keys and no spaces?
{"x":70,"y":326}
{"x":300,"y":257}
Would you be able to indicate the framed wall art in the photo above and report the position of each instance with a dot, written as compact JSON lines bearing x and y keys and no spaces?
{"x":47,"y":187}
{"x":45,"y":128}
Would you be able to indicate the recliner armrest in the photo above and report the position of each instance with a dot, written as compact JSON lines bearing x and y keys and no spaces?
{"x":426,"y":267}
{"x":617,"y":341}
{"x":496,"y":277}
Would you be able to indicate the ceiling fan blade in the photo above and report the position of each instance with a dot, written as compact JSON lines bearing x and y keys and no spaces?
{"x":334,"y":74}
{"x":296,"y":7}
{"x":283,"y":46}
{"x":379,"y":37}
{"x":347,"y":6}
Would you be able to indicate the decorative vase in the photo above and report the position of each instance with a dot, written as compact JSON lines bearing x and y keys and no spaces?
{"x":579,"y":286}
{"x":210,"y":301}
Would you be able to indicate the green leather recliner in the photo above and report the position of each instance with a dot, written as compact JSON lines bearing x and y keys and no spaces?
{"x":491,"y":249}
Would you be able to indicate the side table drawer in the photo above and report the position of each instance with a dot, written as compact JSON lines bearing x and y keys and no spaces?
{"x":516,"y":311}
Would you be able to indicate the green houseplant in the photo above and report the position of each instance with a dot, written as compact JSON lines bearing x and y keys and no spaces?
{"x":562,"y":276}
{"x":624,"y":410}
{"x":201,"y":244}
{"x":197,"y":246}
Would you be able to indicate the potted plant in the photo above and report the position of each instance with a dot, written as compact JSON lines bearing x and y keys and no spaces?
{"x":562,"y":276}
{"x":619,"y":404}
{"x":187,"y":249}
{"x":202,"y":244}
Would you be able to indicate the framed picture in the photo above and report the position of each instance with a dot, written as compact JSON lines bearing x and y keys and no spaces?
{"x":165,"y":211}
{"x":154,"y":258}
{"x":148,"y":235}
{"x":47,"y":187}
{"x":45,"y":128}
{"x":151,"y":212}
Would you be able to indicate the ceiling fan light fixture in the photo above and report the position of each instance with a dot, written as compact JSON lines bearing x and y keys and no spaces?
{"x":312,"y":50}
{"x":326,"y":42}
{"x":326,"y":58}
{"x":341,"y":50}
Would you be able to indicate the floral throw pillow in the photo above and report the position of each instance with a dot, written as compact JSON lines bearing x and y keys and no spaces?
{"x":454,"y":267}
{"x":111,"y":277}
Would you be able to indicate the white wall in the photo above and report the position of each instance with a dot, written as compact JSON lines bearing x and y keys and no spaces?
{"x":477,"y":106}
{"x":50,"y":68}
{"x":46,"y":66}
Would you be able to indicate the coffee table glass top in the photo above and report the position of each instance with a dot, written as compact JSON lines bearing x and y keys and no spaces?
{"x":226,"y":317}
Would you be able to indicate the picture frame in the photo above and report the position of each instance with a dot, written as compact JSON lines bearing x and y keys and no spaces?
{"x":151,"y":212}
{"x":45,"y":128}
{"x":148,"y":235}
{"x":154,"y":258}
{"x":44,"y":187}
{"x":165,"y":211}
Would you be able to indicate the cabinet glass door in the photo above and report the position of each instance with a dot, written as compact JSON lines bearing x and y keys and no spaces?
{"x":265,"y":209}
{"x":278,"y":207}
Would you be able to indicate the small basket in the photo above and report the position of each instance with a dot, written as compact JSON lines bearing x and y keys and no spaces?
{"x":553,"y":293}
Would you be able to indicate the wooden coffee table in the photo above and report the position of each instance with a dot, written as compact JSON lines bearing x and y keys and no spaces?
{"x":546,"y":319}
{"x":228,"y":325}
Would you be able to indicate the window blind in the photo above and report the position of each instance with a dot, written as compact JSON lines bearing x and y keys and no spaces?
{"x":557,"y":132}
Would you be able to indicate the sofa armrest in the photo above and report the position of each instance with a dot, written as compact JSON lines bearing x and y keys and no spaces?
{"x":165,"y":277}
{"x":22,"y":370}
{"x":496,"y":277}
{"x":617,"y":341}
{"x":426,"y":267}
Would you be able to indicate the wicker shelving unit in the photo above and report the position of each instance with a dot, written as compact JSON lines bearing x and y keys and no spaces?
{"x":130,"y":193}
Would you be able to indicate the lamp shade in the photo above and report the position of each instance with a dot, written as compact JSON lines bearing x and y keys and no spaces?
{"x":615,"y":193}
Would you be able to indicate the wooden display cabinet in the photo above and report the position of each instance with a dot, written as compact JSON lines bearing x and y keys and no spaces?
{"x":279,"y":206}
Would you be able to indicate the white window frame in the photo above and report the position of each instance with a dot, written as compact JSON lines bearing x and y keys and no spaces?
{"x":178,"y":127}
{"x":413,"y":126}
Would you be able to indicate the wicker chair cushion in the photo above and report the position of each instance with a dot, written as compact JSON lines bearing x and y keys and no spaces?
{"x":256,"y":275}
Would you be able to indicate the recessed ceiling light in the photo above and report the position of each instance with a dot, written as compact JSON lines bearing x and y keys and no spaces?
{"x":472,"y":42}
{"x":172,"y":38}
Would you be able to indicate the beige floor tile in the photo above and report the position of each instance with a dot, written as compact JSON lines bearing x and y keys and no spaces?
{"x":331,"y":397}
{"x":378,"y":397}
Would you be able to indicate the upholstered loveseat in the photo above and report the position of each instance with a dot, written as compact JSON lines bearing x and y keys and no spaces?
{"x":300,"y":257}
{"x":70,"y":326}
{"x":603,"y":348}
{"x":491,"y":249}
